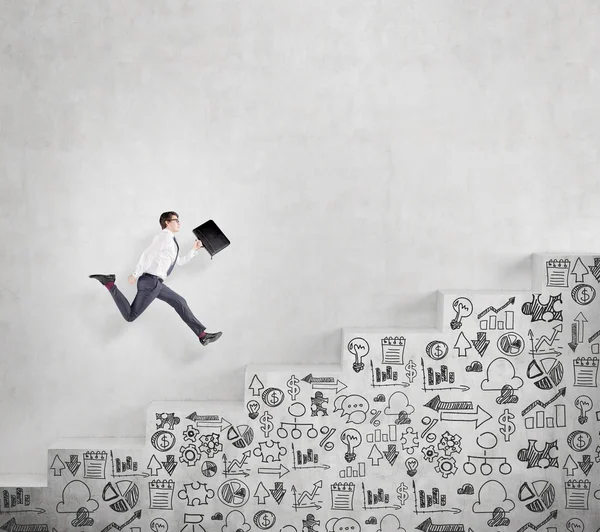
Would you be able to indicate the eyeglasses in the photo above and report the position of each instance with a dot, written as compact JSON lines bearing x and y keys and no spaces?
{"x":174,"y":220}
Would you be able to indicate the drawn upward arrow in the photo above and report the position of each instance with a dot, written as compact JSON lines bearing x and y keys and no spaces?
{"x":580,"y":319}
{"x":256,"y":385}
{"x":462,"y":345}
{"x":325,"y":383}
{"x":570,"y":466}
{"x":136,"y":515}
{"x":496,"y":310}
{"x":561,"y":393}
{"x":480,"y":416}
{"x":552,"y":515}
{"x":579,"y":270}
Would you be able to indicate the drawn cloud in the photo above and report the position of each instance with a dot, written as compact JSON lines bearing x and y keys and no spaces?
{"x":390,"y":523}
{"x":217,"y":517}
{"x":475,"y":367}
{"x":507,"y":396}
{"x":371,"y":521}
{"x":467,"y":489}
{"x":492,"y":496}
{"x":398,"y":402}
{"x":78,"y":496}
{"x":380,"y":398}
{"x":498,"y":518}
{"x":500,"y":373}
{"x":235,"y":522}
{"x":82,"y":519}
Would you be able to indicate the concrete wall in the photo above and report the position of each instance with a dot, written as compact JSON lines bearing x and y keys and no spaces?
{"x":359,"y":155}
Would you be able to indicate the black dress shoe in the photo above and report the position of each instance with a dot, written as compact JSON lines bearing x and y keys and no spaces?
{"x":110,"y":278}
{"x":210,"y":337}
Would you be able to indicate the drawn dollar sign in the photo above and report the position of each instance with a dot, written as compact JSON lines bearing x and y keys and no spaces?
{"x":507,"y":427}
{"x":265,"y":423}
{"x":411,"y":371}
{"x":402,"y":491}
{"x":585,"y":297}
{"x":293,"y":388}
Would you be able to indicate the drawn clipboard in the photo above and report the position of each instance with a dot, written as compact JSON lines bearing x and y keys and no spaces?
{"x":212,"y":237}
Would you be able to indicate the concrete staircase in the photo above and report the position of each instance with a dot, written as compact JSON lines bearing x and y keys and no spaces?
{"x":488,"y":422}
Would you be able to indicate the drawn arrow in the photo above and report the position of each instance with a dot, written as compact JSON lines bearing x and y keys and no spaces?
{"x":495,"y":310}
{"x":462,"y":345}
{"x":325,"y":383}
{"x":428,"y":526}
{"x":57,"y":466}
{"x":11,"y":526}
{"x":580,"y":319}
{"x":256,"y":385}
{"x":552,"y":515}
{"x":437,"y":404}
{"x":561,"y":393}
{"x":136,"y":515}
{"x":556,"y":329}
{"x":579,"y":270}
{"x":154,"y":466}
{"x":480,"y":416}
{"x":261,"y":493}
{"x":33,"y":510}
{"x":375,"y":455}
{"x":570,"y":466}
{"x":281,"y":470}
{"x":211,"y":421}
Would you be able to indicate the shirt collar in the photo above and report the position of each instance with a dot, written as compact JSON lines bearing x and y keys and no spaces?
{"x":166,"y":230}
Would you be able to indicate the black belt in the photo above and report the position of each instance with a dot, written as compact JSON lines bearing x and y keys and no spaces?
{"x":155,"y":276}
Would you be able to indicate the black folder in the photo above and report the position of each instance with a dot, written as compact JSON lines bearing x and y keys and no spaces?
{"x":212,"y":237}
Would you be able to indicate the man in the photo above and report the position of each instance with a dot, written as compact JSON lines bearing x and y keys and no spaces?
{"x":154,"y":266}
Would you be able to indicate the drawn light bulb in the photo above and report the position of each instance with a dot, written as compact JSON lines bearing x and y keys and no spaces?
{"x":463,"y":308}
{"x":358,"y":347}
{"x":351,"y":438}
{"x":411,"y":466}
{"x":253,"y":408}
{"x":584,"y":404}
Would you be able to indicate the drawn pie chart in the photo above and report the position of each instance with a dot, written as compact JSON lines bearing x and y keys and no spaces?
{"x":233,"y":493}
{"x":548,"y":372}
{"x":511,"y":344}
{"x":240,"y":436}
{"x":538,"y":497}
{"x":124,"y":497}
{"x":209,"y":469}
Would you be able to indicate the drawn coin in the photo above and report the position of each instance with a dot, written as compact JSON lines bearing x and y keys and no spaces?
{"x":436,"y":350}
{"x":511,"y":344}
{"x":162,"y":440}
{"x":273,"y":397}
{"x":579,"y":440}
{"x":583,"y":294}
{"x":264,"y":519}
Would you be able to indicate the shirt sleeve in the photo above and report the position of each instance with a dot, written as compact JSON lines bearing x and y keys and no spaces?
{"x":186,"y":258}
{"x":158,"y":244}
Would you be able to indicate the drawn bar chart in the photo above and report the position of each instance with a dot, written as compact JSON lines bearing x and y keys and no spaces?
{"x":351,"y":472}
{"x":377,"y":436}
{"x":492,"y":323}
{"x":541,"y":421}
{"x":438,"y":377}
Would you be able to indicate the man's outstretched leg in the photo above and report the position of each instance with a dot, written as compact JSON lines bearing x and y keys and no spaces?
{"x":148,"y":288}
{"x":181,"y":307}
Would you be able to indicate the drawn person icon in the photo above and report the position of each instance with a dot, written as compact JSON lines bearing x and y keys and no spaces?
{"x":154,"y":266}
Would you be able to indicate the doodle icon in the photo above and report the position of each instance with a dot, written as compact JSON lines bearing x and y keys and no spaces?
{"x":358,"y":347}
{"x":463,"y":308}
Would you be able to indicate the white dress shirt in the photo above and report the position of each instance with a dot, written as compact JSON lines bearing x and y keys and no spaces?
{"x":159,"y":256}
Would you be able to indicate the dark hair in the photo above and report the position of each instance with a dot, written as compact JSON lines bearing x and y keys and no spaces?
{"x":164,"y":218}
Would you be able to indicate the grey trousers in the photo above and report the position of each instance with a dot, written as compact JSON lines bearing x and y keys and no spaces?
{"x":149,"y":288}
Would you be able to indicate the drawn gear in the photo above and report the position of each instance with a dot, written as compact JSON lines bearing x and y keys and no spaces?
{"x":190,"y":433}
{"x":209,"y":444}
{"x":450,"y":443}
{"x":407,"y":446}
{"x":446,"y":466}
{"x":189,"y":455}
{"x":429,"y":453}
